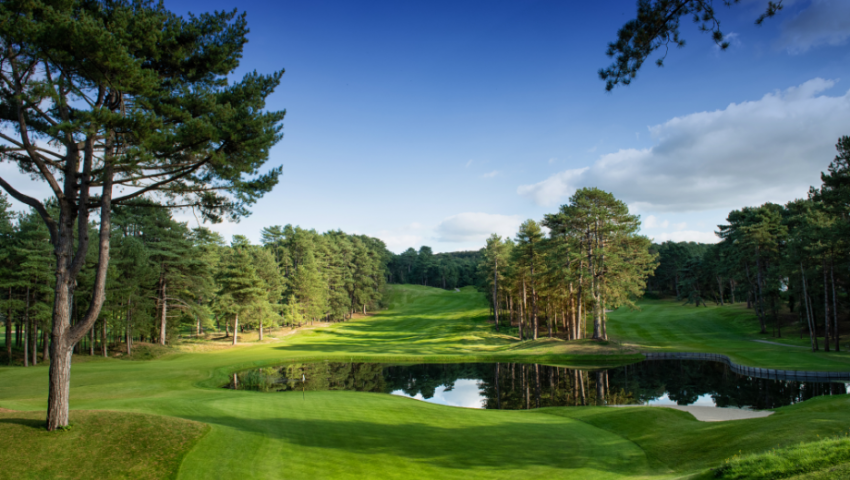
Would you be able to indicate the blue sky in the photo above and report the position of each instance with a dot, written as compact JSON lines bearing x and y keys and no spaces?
{"x":437,"y":123}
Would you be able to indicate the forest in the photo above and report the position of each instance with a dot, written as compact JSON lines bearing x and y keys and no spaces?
{"x":788,"y":262}
{"x":448,"y":270}
{"x":166,"y":280}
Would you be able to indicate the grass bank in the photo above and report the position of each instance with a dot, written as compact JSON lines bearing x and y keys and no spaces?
{"x":98,"y":444}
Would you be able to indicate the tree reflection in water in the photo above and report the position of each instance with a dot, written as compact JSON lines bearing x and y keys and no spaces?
{"x":514,"y":386}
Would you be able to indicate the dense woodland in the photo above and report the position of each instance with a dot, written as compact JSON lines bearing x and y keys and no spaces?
{"x":166,"y":279}
{"x":780,"y":259}
{"x":443,"y":270}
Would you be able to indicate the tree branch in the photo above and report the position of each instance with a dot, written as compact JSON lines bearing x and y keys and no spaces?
{"x":35,"y":204}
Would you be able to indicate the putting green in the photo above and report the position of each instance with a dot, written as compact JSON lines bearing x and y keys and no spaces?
{"x":339,"y":434}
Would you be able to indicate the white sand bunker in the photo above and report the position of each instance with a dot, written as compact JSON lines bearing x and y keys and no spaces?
{"x":711,"y":414}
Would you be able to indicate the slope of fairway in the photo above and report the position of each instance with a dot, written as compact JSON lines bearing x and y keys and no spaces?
{"x":667,"y":326}
{"x":340,"y":434}
{"x":98,"y":445}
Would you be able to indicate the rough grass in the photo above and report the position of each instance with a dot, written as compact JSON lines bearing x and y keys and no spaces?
{"x":344,"y":435}
{"x":98,"y":444}
{"x":667,"y":326}
{"x":825,"y":457}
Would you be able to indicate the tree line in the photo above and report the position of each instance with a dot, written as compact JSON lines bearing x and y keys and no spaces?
{"x":166,"y":279}
{"x":590,"y":261}
{"x":447,"y":270}
{"x":782,"y":260}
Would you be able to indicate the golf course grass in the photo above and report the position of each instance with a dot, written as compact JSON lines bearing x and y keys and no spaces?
{"x":732,"y":330}
{"x":344,"y":434}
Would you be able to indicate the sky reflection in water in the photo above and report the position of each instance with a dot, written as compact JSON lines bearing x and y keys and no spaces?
{"x":524,"y":386}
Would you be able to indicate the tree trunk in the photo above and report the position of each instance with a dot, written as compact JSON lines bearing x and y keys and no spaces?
{"x":572,"y":308}
{"x":26,"y":332}
{"x":581,"y":383}
{"x":834,"y":304}
{"x":261,"y":329}
{"x":580,"y":309}
{"x":760,"y":300}
{"x":235,"y":329}
{"x":163,"y":324}
{"x":534,"y":313}
{"x":604,"y":321}
{"x":103,"y":338}
{"x":129,"y":332}
{"x":537,"y":384}
{"x":9,"y":330}
{"x":811,"y":302}
{"x":825,"y":311}
{"x":720,"y":289}
{"x":676,"y":280}
{"x":495,"y":292}
{"x":809,"y":319}
{"x":498,"y":396}
{"x":32,"y":333}
{"x":600,"y":389}
{"x":45,"y":346}
{"x":34,"y":342}
{"x":732,"y":290}
{"x":522,"y":312}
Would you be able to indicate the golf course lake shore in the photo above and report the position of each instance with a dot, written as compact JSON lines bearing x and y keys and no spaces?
{"x":521,"y":386}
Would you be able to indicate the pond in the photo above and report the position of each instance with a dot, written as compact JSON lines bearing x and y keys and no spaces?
{"x":524,"y":386}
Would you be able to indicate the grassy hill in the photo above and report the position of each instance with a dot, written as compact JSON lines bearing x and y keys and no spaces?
{"x":339,"y":434}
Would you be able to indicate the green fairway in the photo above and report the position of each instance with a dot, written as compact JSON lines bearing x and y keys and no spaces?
{"x":340,"y":434}
{"x":666,"y":326}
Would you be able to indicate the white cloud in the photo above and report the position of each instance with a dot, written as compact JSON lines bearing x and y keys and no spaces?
{"x":680,"y":226}
{"x":490,"y":174}
{"x":403,"y":237}
{"x":686,"y":236}
{"x":398,"y":242}
{"x":652,"y":222}
{"x":476,"y":227}
{"x":553,"y":188}
{"x":771,"y":149}
{"x":824,"y":22}
{"x":469,"y":163}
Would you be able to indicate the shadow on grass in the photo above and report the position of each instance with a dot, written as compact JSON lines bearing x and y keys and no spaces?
{"x":26,"y":422}
{"x":561,"y":444}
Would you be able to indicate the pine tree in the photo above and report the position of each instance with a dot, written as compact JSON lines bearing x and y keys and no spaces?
{"x":240,"y":286}
{"x":528,"y":255}
{"x":163,"y":118}
{"x":7,"y":269}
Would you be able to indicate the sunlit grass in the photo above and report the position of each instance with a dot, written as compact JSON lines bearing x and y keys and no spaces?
{"x":97,"y":445}
{"x":339,"y":434}
{"x":667,"y":326}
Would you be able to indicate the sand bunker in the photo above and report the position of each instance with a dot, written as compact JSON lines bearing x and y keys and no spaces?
{"x":711,"y":414}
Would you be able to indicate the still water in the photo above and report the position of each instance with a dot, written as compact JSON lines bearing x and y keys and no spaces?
{"x":523,"y":386}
